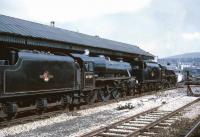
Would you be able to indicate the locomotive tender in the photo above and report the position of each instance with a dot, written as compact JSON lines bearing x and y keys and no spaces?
{"x":35,"y":80}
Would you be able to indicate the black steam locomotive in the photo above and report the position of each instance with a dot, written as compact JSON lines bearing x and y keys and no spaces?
{"x":153,"y":76}
{"x":33,"y":80}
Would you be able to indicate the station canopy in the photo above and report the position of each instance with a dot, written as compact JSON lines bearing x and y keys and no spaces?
{"x":14,"y":30}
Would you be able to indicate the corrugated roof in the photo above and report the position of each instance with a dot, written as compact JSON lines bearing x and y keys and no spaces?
{"x":30,"y":29}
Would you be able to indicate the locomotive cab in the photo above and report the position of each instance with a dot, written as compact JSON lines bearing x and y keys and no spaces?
{"x":88,"y":75}
{"x":87,"y":71}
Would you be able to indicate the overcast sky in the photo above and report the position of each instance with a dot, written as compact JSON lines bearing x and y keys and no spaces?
{"x":161,"y":27}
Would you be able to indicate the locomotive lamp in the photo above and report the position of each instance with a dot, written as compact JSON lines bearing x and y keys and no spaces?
{"x":152,"y":74}
{"x":89,"y":76}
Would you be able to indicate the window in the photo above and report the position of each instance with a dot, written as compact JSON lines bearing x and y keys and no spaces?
{"x":89,"y":66}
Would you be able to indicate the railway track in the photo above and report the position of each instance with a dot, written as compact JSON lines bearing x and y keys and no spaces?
{"x":144,"y":124}
{"x":30,"y":117}
{"x":190,"y":132}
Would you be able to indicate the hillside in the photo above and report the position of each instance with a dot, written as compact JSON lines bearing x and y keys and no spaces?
{"x":187,"y":59}
{"x":186,"y":55}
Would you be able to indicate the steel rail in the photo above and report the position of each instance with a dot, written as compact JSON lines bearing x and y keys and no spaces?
{"x":194,"y":128}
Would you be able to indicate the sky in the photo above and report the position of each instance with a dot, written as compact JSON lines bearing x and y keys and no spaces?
{"x":161,"y":27}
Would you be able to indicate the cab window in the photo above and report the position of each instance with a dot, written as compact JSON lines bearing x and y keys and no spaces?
{"x":89,"y":66}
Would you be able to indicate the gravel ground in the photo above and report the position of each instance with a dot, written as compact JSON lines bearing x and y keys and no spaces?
{"x":192,"y":112}
{"x":195,"y":90}
{"x":84,"y":121}
{"x":177,"y":104}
